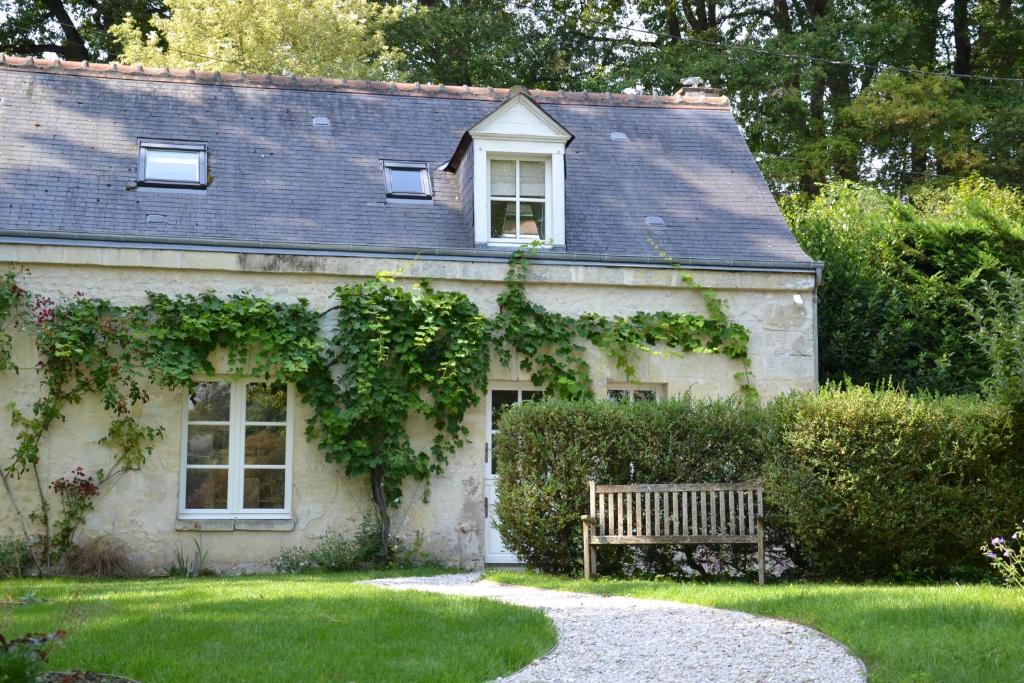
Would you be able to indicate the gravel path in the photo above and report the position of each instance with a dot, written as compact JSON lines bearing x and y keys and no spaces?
{"x":629,"y":639}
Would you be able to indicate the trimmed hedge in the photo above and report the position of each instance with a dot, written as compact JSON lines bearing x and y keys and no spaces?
{"x":883,"y":485}
{"x":548,"y":451}
{"x":859,"y":484}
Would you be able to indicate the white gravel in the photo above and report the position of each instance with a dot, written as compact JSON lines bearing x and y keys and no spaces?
{"x":629,"y":639}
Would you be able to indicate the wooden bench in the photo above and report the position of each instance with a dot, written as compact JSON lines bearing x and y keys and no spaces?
{"x":673,"y":514}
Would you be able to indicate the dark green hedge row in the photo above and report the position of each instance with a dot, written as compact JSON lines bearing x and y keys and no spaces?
{"x":859,"y":484}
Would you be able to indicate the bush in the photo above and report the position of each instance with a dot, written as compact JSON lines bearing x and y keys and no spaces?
{"x":103,"y":558}
{"x":884,"y":485}
{"x":334,"y":552}
{"x":896,"y":274}
{"x":15,"y":558}
{"x":548,"y":451}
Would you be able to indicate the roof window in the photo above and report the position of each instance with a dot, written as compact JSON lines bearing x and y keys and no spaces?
{"x":407,"y":179}
{"x":172,"y":164}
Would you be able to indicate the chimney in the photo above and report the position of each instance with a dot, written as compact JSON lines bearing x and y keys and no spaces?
{"x":696,"y":87}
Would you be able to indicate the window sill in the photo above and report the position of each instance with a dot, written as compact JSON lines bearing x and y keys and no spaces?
{"x":170,"y":189}
{"x":234,"y":524}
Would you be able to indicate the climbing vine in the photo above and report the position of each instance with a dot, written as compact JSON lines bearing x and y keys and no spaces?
{"x":382,"y":354}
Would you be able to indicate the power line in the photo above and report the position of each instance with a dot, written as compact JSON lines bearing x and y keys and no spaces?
{"x":793,"y":56}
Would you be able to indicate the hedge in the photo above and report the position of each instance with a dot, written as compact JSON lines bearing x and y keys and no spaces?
{"x":548,"y":451}
{"x":859,"y":484}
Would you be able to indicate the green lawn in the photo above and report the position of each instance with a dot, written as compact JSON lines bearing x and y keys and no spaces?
{"x":275,"y":628}
{"x":903,"y":633}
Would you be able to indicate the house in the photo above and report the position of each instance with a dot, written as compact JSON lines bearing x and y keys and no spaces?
{"x":116,"y":180}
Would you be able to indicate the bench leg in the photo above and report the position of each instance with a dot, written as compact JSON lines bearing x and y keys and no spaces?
{"x":593,"y":560}
{"x":760,"y":551}
{"x":586,"y":550}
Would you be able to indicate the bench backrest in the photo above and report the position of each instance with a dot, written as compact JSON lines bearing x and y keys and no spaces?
{"x":675,"y":513}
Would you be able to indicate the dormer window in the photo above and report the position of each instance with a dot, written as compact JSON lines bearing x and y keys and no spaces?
{"x":406,"y":180}
{"x":172,"y":164}
{"x":518,"y":194}
{"x":511,"y":169}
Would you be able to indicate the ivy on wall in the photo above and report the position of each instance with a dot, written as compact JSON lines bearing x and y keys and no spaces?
{"x":390,"y":353}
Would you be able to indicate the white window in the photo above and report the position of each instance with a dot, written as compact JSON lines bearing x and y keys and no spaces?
{"x":172,"y":164}
{"x":518,"y":195}
{"x":634,"y":393}
{"x":236,"y":450}
{"x":518,"y":167}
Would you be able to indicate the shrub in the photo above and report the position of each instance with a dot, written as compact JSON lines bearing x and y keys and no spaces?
{"x":103,"y":558}
{"x":548,"y":451}
{"x":15,"y":558}
{"x":334,"y":552}
{"x":883,"y":485}
{"x":21,"y":659}
{"x":895,"y":276}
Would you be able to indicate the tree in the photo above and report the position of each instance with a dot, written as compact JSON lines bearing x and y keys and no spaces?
{"x":73,"y":29}
{"x":328,"y":38}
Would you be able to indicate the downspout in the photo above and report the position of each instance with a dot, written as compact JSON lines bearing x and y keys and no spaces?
{"x":818,"y":269}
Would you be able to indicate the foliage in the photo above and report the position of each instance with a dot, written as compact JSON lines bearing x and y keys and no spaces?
{"x":402,"y":352}
{"x":952,"y":632}
{"x":76,"y":494}
{"x":281,"y":628}
{"x":336,"y":38}
{"x":1000,"y":336}
{"x":891,"y":301}
{"x":883,"y":485}
{"x":549,"y":344}
{"x":334,"y":552}
{"x":189,"y":566}
{"x":548,"y":451}
{"x":1007,"y":556}
{"x":15,"y":558}
{"x":21,"y":659}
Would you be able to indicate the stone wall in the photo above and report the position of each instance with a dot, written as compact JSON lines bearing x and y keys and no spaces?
{"x":141,"y":508}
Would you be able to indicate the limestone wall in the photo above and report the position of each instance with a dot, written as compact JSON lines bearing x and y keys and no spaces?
{"x":141,"y":508}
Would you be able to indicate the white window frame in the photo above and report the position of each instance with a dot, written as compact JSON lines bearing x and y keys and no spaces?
{"x":518,"y":198}
{"x":658,"y":389}
{"x":236,"y":455}
{"x":199,"y":149}
{"x":553,"y":156}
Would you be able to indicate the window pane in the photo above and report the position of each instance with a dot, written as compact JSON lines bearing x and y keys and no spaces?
{"x":264,"y":445}
{"x":407,"y":181}
{"x":206,"y":489}
{"x":501,"y":399}
{"x":618,"y":395}
{"x":503,"y":219}
{"x":172,"y":165}
{"x":503,"y":178}
{"x":266,"y":402}
{"x":531,"y":219}
{"x":644,"y":395}
{"x":531,"y":179}
{"x":264,"y":489}
{"x":207,"y":445}
{"x":209,"y":402}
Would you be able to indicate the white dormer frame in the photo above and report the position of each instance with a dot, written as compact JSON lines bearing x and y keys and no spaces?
{"x":519,"y":129}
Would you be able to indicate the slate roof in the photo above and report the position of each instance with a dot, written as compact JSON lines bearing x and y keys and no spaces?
{"x":69,"y":137}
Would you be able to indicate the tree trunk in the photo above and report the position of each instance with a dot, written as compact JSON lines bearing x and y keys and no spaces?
{"x":381,"y":501}
{"x":962,"y":37}
{"x":74,"y":45}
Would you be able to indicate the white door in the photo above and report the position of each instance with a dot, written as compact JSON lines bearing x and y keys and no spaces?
{"x":498,"y":400}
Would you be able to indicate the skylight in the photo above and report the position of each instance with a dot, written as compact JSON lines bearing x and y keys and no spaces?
{"x":172,"y":164}
{"x":407,"y":179}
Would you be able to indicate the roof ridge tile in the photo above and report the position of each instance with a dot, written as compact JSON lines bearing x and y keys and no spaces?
{"x":704,"y":99}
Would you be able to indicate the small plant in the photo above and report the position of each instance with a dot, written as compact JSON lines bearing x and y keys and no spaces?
{"x":334,"y":552}
{"x":186,"y":566}
{"x":102,"y":557}
{"x":1007,"y":556}
{"x":21,"y":659}
{"x":76,"y":494}
{"x":15,"y":558}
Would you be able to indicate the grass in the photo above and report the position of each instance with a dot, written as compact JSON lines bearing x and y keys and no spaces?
{"x":903,"y":633}
{"x":275,"y":628}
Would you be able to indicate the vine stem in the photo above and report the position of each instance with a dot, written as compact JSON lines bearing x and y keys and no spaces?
{"x":21,"y":518}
